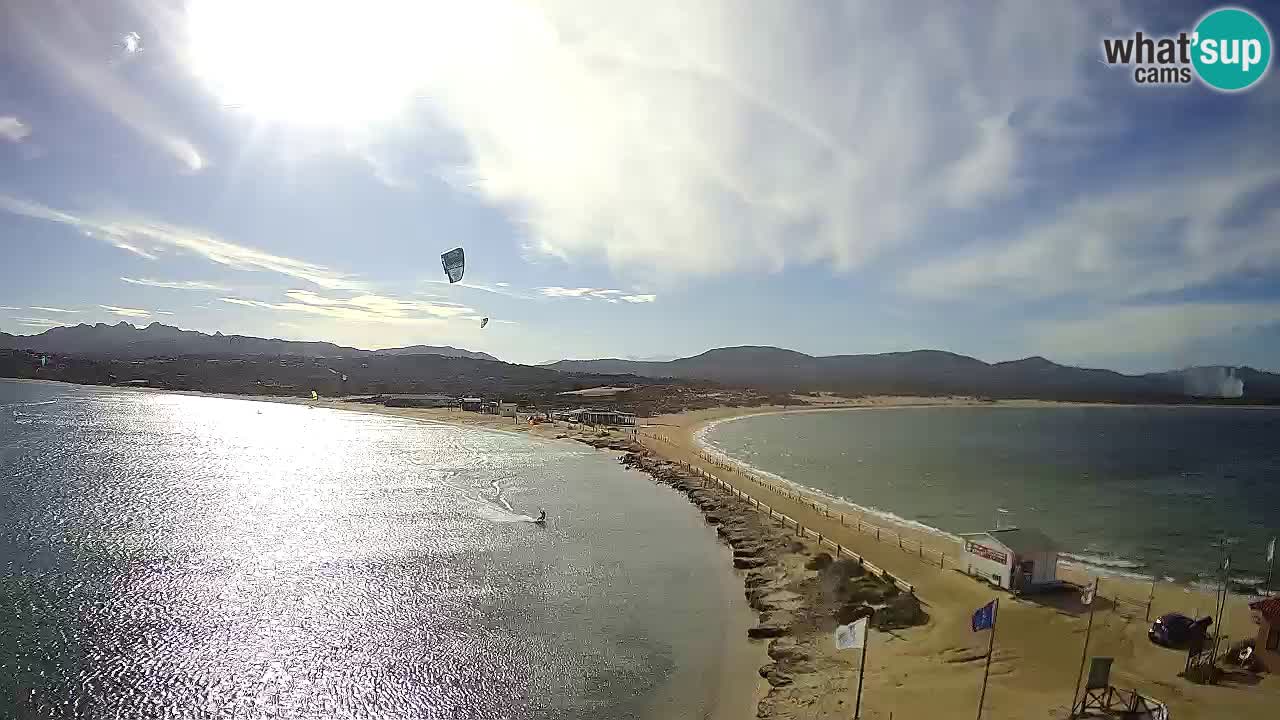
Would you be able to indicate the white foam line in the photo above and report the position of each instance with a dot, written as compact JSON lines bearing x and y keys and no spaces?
{"x":834,"y":500}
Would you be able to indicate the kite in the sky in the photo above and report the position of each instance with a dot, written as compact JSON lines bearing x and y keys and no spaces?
{"x":483,"y":322}
{"x":455,"y":263}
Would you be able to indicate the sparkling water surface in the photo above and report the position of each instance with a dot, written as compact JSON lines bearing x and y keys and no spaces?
{"x":173,"y":556}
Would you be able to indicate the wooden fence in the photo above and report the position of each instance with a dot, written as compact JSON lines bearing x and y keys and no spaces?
{"x":851,"y":520}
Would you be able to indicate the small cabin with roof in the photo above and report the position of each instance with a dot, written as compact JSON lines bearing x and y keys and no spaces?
{"x":1016,"y":559}
{"x":1266,"y":614}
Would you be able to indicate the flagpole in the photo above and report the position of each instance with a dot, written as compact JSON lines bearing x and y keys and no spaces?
{"x":1271,"y":561}
{"x":1093,"y":600}
{"x":991,"y":646}
{"x":862,"y":670}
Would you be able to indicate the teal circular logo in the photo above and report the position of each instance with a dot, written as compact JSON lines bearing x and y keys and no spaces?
{"x":1231,"y":49}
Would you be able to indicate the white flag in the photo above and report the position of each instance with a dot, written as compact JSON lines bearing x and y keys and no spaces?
{"x":1271,"y":550}
{"x":1087,"y":596}
{"x":851,"y":636}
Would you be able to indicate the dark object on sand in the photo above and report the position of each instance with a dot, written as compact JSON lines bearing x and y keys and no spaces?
{"x":1176,"y":630}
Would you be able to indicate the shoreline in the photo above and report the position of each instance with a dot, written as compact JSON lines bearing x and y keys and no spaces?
{"x":1039,"y":649}
{"x":1048,"y":631}
{"x":1077,"y":563}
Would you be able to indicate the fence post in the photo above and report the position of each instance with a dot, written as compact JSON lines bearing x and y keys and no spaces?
{"x":877,"y":534}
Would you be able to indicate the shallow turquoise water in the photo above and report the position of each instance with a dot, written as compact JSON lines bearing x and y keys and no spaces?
{"x":1151,"y":491}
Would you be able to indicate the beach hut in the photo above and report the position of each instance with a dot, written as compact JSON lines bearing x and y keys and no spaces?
{"x":1016,"y":559}
{"x":1266,"y":615}
{"x":472,"y":404}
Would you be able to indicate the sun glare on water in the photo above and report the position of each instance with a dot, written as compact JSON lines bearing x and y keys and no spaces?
{"x":326,"y":63}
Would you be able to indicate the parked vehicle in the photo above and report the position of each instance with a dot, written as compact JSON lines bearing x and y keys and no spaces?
{"x":1176,"y":630}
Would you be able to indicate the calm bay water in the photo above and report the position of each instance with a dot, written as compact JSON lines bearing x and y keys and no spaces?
{"x":1151,"y":491}
{"x":172,"y":556}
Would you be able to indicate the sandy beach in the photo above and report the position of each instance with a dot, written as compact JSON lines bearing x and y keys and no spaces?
{"x":1040,"y":640}
{"x":934,"y":670}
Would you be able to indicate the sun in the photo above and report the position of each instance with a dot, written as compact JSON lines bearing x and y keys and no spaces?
{"x":327,"y":63}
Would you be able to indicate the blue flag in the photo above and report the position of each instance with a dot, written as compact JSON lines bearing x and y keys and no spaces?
{"x":984,"y":618}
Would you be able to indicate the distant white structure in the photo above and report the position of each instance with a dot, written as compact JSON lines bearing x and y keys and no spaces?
{"x":1016,"y":559}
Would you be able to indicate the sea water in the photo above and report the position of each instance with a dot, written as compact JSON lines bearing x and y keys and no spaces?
{"x":174,"y":556}
{"x":1161,"y":492}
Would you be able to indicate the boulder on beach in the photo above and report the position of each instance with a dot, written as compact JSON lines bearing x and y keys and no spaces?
{"x":901,"y":611}
{"x":775,"y":676}
{"x":786,"y":650}
{"x":747,"y":563}
{"x":867,"y":590}
{"x":852,"y":611}
{"x":771,"y":625}
{"x":818,"y":562}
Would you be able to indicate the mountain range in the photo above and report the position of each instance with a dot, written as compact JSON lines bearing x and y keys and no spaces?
{"x":123,"y":340}
{"x":935,"y":372}
{"x":919,"y":372}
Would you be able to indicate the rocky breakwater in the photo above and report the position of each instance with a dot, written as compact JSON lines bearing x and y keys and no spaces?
{"x":800,"y":592}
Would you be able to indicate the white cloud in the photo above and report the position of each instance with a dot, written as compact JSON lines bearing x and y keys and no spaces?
{"x":1154,"y":328}
{"x":7,"y":307}
{"x":1180,"y":235}
{"x":126,"y":312}
{"x":496,"y":288}
{"x":44,"y":323}
{"x":177,"y":284}
{"x":612,"y":296}
{"x":713,"y":136}
{"x":363,"y":308}
{"x":52,"y":309}
{"x":130,"y":232}
{"x":13,"y":129}
{"x":66,"y":41}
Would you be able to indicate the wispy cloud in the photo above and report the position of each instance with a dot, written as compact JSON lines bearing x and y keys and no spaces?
{"x":52,"y":309}
{"x":7,"y":307}
{"x":37,"y":322}
{"x":177,"y":284}
{"x":126,"y":312}
{"x":498,"y":288}
{"x":644,"y":139}
{"x":612,"y":296}
{"x":1187,"y":233}
{"x":362,"y":308}
{"x":1152,"y":328}
{"x":146,"y":236}
{"x":65,"y":41}
{"x":13,"y":129}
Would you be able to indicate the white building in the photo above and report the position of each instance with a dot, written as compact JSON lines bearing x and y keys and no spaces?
{"x":1016,"y":559}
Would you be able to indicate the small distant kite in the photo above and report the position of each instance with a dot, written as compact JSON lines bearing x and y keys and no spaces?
{"x":454,"y":262}
{"x":132,"y":42}
{"x":483,"y":322}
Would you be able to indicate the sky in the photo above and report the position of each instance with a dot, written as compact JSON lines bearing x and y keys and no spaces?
{"x":638,"y":179}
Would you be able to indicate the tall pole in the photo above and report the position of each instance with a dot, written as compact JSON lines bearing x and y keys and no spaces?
{"x":991,"y":646}
{"x":1221,"y":606}
{"x":1271,"y":561}
{"x":862,"y":670}
{"x":1084,"y":653}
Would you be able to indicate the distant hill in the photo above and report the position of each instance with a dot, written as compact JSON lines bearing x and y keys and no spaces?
{"x":123,"y":340}
{"x":935,"y":372}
